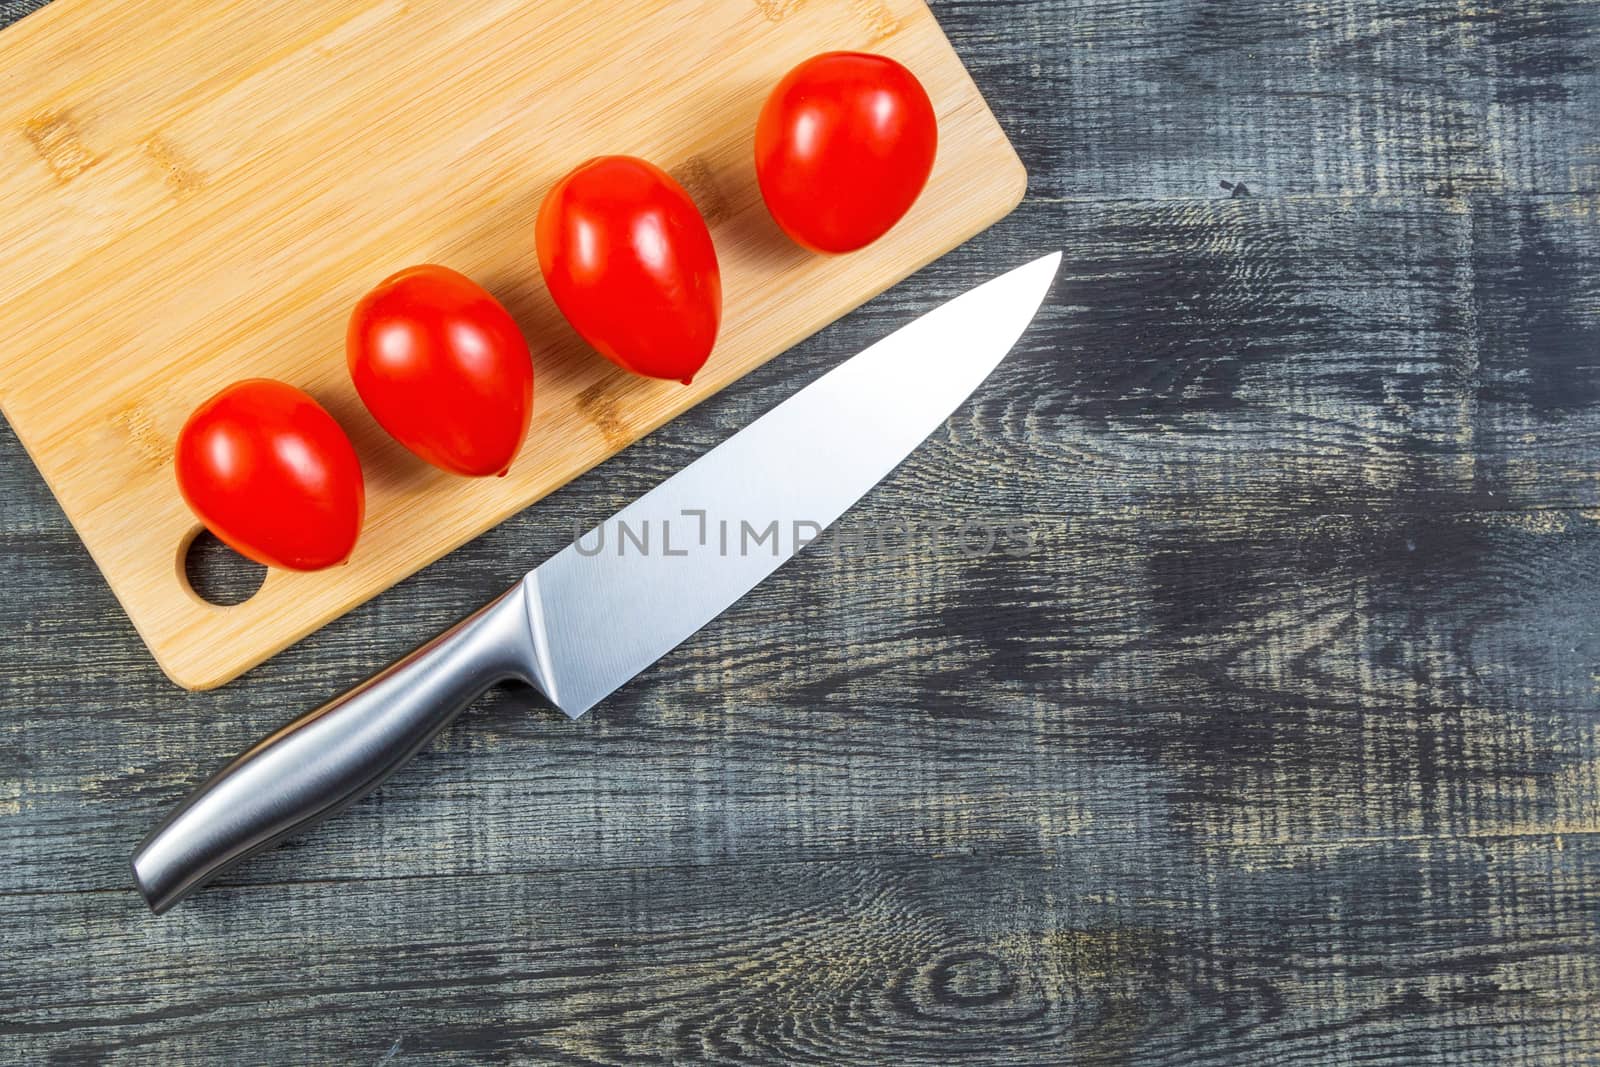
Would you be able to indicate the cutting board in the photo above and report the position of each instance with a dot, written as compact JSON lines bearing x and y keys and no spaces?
{"x":198,"y":191}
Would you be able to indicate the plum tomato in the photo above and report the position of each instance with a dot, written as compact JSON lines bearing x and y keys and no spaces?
{"x":271,"y":473}
{"x":844,"y":147}
{"x":444,"y":369}
{"x":630,"y":262}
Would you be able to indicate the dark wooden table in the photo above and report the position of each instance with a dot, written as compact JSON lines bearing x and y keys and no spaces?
{"x":1280,"y":745}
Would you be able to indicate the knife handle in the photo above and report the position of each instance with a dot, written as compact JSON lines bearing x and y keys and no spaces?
{"x":335,"y":755}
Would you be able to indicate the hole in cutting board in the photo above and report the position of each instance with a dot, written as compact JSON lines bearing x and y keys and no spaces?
{"x":219,"y":575}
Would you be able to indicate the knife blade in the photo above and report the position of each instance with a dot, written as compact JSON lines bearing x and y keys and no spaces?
{"x":670,"y":562}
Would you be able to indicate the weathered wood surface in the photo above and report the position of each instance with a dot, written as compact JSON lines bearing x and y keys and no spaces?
{"x":1281,"y":745}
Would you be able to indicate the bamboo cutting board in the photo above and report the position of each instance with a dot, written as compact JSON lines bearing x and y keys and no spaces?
{"x":194,"y":192}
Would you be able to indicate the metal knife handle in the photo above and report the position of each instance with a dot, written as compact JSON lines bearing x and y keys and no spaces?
{"x":334,"y":756}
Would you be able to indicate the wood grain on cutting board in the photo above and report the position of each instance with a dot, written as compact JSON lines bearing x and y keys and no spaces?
{"x":192,"y":193}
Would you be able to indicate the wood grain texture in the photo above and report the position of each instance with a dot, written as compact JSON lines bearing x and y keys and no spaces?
{"x":1280,"y":745}
{"x":228,"y":180}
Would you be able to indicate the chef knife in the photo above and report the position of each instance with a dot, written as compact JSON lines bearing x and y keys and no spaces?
{"x":668,"y":564}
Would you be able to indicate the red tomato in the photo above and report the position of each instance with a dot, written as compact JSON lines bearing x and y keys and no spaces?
{"x":631,"y":265}
{"x":442,"y":366}
{"x":844,"y":147}
{"x":272,"y":475}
